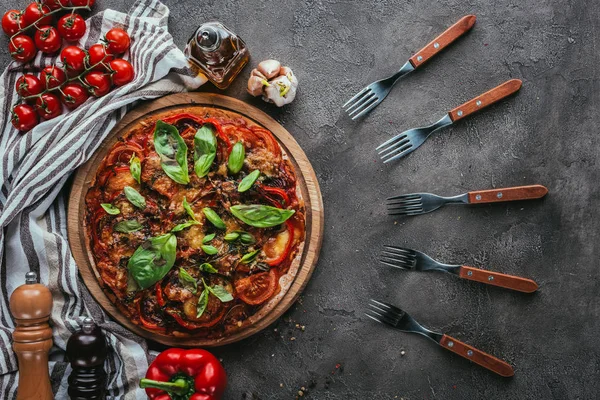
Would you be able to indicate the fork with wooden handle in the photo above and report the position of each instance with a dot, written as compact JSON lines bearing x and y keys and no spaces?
{"x":421,"y":203}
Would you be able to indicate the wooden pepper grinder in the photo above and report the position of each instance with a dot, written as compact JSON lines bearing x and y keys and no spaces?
{"x":86,"y":351}
{"x":30,"y":306}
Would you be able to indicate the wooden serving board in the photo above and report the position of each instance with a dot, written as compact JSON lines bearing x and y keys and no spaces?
{"x":307,"y":183}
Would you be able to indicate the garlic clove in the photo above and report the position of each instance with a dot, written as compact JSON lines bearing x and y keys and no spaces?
{"x":281,"y":90}
{"x":269,"y":68}
{"x":255,"y":85}
{"x":256,"y":72}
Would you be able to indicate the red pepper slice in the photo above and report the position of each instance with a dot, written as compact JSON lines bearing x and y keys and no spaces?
{"x":159,"y":295}
{"x":276,"y":191}
{"x":147,"y":324}
{"x":288,"y":246}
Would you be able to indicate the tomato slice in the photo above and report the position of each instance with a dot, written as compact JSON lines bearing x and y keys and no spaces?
{"x":257,"y":288}
{"x":214,"y":312}
{"x":276,"y":251}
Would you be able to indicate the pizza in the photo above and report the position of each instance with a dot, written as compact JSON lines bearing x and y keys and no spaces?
{"x":195,"y":222}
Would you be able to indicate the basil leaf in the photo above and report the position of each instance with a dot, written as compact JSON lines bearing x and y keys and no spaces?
{"x":236,"y":158}
{"x":135,"y":167}
{"x":231,"y":237}
{"x":210,"y":250}
{"x":249,"y":257}
{"x":188,"y":209}
{"x":110,"y":209}
{"x":208,"y":238}
{"x":206,"y":267}
{"x":180,"y":227}
{"x":172,"y":151}
{"x":202,"y":303}
{"x":205,"y":150}
{"x":248,"y":181}
{"x":261,"y":216}
{"x":187,"y":280}
{"x":214,"y":218}
{"x":247,"y":238}
{"x":221,"y":293}
{"x":134,"y":197}
{"x":153,"y":259}
{"x":127,"y":226}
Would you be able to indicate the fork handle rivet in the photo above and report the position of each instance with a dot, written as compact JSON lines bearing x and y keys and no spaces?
{"x":478,"y":103}
{"x":470,"y":353}
{"x":470,"y":273}
{"x":450,"y":344}
{"x":478,"y":197}
{"x":499,"y":195}
{"x":460,"y":113}
{"x":419,"y":58}
{"x":490,"y":278}
{"x":436,"y":45}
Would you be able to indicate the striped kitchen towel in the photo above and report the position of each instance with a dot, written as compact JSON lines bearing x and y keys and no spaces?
{"x":34,"y":168}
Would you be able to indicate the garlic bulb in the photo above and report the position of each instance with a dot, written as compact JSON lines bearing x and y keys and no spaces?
{"x":277,"y":84}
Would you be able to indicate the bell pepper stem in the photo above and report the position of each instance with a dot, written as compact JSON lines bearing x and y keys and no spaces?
{"x":179,"y":386}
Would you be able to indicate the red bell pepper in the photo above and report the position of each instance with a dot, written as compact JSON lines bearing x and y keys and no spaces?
{"x":180,"y":374}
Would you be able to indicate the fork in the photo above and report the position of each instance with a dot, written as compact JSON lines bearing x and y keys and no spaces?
{"x":370,"y":97}
{"x":421,"y":203}
{"x":399,"y":257}
{"x":390,"y":315}
{"x":408,"y":141}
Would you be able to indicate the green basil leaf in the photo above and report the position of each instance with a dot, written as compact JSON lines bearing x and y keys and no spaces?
{"x":202,"y":303}
{"x":188,"y":209}
{"x":187,"y":280}
{"x":208,"y":238}
{"x":231,"y":237}
{"x":214,"y":218}
{"x":134,"y":197}
{"x":135,"y":167}
{"x":110,"y":209}
{"x":172,"y":150}
{"x":248,"y":181}
{"x":247,"y":238}
{"x":221,"y":293}
{"x":210,"y":250}
{"x":261,"y":216}
{"x":180,"y":227}
{"x":206,"y":267}
{"x":236,"y":158}
{"x":249,"y":257}
{"x":205,"y":149}
{"x":153,"y":260}
{"x":128,"y":226}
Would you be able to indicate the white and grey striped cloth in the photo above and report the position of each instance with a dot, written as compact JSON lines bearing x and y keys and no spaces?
{"x":34,"y":169}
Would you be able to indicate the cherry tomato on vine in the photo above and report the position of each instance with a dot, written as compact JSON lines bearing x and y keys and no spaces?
{"x":24,"y":117}
{"x":28,"y":85}
{"x":11,"y":22}
{"x":122,"y":72}
{"x":74,"y":95}
{"x":73,"y":58}
{"x":83,"y":3}
{"x":71,"y":27}
{"x":35,"y":13}
{"x":99,"y":83}
{"x":56,"y":4}
{"x":117,"y":41}
{"x":22,"y":48}
{"x":47,"y":39}
{"x":48,"y":106}
{"x":52,"y":76}
{"x":97,"y":54}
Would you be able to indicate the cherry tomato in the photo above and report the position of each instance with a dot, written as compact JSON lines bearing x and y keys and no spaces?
{"x":122,"y":72}
{"x":22,"y":48}
{"x":29,"y":85}
{"x":11,"y":22}
{"x":35,"y":13}
{"x":56,"y":4}
{"x":74,"y":95}
{"x":117,"y":41}
{"x":83,"y":3}
{"x":97,"y":54}
{"x":257,"y":288}
{"x":48,"y":106}
{"x":24,"y":117}
{"x":99,"y":83}
{"x":47,"y":39}
{"x":73,"y":58}
{"x":71,"y":27}
{"x":52,"y":76}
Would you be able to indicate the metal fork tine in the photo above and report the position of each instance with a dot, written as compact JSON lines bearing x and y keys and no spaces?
{"x":404,"y":152}
{"x":385,"y":305}
{"x":403,"y":250}
{"x":410,"y":196}
{"x":392,"y":140}
{"x":405,"y":203}
{"x":378,"y":308}
{"x":396,"y":150}
{"x":394,"y":146}
{"x":356,"y":96}
{"x":384,"y":318}
{"x":397,"y":256}
{"x":360,"y":102}
{"x":366,"y":110}
{"x":406,"y":209}
{"x":397,"y":261}
{"x":366,"y":103}
{"x":416,"y":212}
{"x":390,"y":307}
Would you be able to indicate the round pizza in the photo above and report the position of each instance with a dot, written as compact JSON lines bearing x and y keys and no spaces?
{"x":195,"y":222}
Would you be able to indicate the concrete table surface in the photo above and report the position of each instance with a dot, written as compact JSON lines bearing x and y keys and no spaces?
{"x":546,"y":134}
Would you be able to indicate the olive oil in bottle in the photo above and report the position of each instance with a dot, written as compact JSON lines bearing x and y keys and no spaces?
{"x":218,"y":52}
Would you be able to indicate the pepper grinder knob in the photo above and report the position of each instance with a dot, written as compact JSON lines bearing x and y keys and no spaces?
{"x":31,"y":306}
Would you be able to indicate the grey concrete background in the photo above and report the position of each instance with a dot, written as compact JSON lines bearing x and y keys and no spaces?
{"x":545,"y":134}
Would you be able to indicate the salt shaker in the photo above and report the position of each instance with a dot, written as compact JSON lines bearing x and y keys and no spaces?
{"x":86,"y":351}
{"x":30,"y":306}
